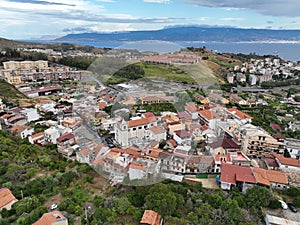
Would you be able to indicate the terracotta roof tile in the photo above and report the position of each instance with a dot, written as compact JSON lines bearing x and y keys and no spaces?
{"x":137,"y":166}
{"x":6,"y":197}
{"x":232,"y":173}
{"x":266,"y":176}
{"x":156,"y":130}
{"x":239,"y":113}
{"x":49,"y":218}
{"x":139,"y":122}
{"x":66,"y":136}
{"x":151,"y":217}
{"x":287,"y":161}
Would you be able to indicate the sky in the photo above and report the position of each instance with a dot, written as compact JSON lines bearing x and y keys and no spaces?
{"x":32,"y":19}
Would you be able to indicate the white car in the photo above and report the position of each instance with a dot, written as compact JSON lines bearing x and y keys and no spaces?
{"x":283,"y":204}
{"x":53,"y":206}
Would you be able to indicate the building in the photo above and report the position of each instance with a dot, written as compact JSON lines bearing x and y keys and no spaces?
{"x":236,"y":176}
{"x":90,"y":152}
{"x":137,"y":171}
{"x":7,"y":199}
{"x":256,"y":141}
{"x":22,"y":131}
{"x":274,"y":220}
{"x":51,"y":135}
{"x":253,"y":79}
{"x":151,"y":217}
{"x":156,"y":98}
{"x":293,"y":147}
{"x":182,"y":137}
{"x":52,"y":218}
{"x":38,"y":138}
{"x":30,"y":114}
{"x":271,"y":178}
{"x":287,"y":163}
{"x":133,"y":132}
{"x":230,"y":78}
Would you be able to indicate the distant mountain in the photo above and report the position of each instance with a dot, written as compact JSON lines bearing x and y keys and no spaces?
{"x":191,"y":33}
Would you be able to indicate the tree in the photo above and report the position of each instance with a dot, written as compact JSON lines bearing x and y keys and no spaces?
{"x":232,"y":209}
{"x":161,"y":199}
{"x":258,"y":197}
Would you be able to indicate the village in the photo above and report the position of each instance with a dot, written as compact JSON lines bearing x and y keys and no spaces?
{"x":108,"y":128}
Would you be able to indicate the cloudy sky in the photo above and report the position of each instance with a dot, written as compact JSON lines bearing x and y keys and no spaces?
{"x":31,"y":19}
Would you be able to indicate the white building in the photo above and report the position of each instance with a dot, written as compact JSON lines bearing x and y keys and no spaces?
{"x":293,"y":147}
{"x":137,"y":171}
{"x":287,"y":163}
{"x":133,"y":132}
{"x":30,"y":114}
{"x":253,"y":79}
{"x":51,"y":134}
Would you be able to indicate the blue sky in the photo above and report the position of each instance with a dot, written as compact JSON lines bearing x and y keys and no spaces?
{"x":27,"y":19}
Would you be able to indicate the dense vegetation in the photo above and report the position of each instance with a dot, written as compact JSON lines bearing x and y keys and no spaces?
{"x":81,"y":62}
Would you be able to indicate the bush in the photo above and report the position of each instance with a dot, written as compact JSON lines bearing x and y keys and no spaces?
{"x":292,"y":191}
{"x":274,"y":204}
{"x":296,"y":202}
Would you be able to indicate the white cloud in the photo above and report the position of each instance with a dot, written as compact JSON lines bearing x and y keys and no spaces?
{"x":287,"y":8}
{"x":232,"y":19}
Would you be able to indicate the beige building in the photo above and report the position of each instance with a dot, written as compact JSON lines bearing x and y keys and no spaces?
{"x":17,"y":65}
{"x":256,"y":141}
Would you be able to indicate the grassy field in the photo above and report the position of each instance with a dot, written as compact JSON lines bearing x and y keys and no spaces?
{"x":197,"y":74}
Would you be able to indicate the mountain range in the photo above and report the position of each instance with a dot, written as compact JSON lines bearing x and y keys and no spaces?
{"x":191,"y":33}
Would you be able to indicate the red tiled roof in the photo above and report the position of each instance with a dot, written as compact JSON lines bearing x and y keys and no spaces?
{"x":263,"y":176}
{"x":19,"y":129}
{"x":287,"y":161}
{"x":191,"y":107}
{"x":148,"y":114}
{"x":275,"y":126}
{"x":182,"y":133}
{"x":184,"y":115}
{"x":154,"y":153}
{"x":37,"y":135}
{"x":226,"y":143}
{"x":65,"y":137}
{"x":139,"y":122}
{"x":49,"y":218}
{"x":6,"y":197}
{"x":137,"y":166}
{"x":239,"y":113}
{"x":278,"y":136}
{"x":271,"y":162}
{"x":151,"y":217}
{"x":232,"y":173}
{"x":156,"y":130}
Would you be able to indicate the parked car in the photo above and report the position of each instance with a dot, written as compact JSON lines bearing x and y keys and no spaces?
{"x":283,"y":204}
{"x":292,"y":207}
{"x":53,"y":206}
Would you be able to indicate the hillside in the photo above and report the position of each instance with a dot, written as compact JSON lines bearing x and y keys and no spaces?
{"x":9,"y":92}
{"x":195,"y":33}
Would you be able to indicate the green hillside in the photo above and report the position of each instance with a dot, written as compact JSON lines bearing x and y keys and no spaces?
{"x":9,"y":92}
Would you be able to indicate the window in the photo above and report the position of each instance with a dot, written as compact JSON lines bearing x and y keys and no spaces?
{"x":134,"y":128}
{"x":140,"y":128}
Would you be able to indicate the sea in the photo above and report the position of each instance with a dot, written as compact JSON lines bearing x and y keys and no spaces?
{"x":287,"y":51}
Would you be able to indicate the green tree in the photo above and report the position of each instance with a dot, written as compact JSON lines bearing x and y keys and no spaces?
{"x":161,"y":199}
{"x":258,"y":197}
